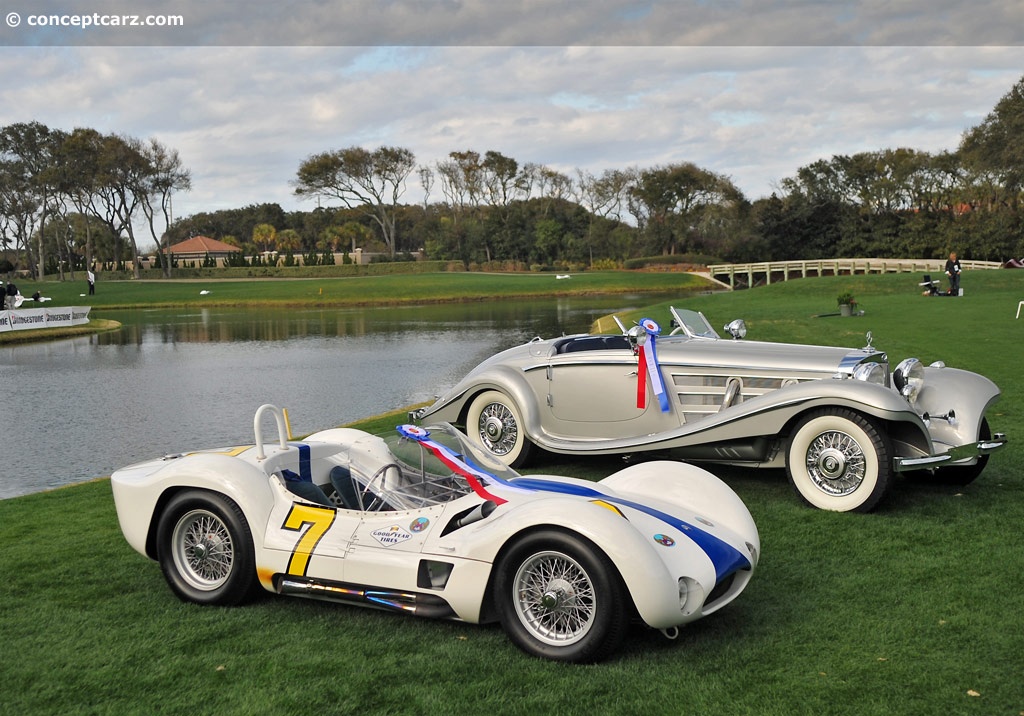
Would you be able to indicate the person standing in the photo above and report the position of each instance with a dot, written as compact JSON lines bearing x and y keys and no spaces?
{"x":953,"y":271}
{"x":91,"y":277}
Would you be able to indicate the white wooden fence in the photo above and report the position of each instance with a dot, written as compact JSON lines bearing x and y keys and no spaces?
{"x":753,"y":274}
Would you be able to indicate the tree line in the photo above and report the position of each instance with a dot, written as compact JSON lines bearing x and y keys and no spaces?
{"x":76,"y":195}
{"x":67,"y":198}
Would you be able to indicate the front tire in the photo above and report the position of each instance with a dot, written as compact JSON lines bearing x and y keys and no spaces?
{"x":205,"y":549}
{"x":963,"y":475}
{"x":495,"y":423}
{"x":560,"y":598}
{"x":839,"y":460}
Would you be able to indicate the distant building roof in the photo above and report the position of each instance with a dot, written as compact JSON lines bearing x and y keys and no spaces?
{"x":201,"y":246}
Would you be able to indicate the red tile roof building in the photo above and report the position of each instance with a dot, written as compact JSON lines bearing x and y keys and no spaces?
{"x":199,"y":246}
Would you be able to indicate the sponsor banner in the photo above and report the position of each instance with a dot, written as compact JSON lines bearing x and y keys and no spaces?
{"x":26,"y":319}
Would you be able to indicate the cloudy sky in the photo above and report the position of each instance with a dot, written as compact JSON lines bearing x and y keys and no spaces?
{"x":753,"y":89}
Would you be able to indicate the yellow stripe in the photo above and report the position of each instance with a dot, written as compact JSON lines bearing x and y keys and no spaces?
{"x":609,"y":506}
{"x":230,"y":452}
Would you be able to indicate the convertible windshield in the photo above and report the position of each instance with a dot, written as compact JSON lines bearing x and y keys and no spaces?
{"x":422,"y":467}
{"x":693,"y":323}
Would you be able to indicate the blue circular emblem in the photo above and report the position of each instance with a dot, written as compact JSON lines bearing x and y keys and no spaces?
{"x":651,"y":326}
{"x":412,"y":431}
{"x":664,"y":540}
{"x":419,"y":524}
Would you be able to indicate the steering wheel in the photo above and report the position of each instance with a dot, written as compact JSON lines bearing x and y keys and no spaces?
{"x":377,"y":503}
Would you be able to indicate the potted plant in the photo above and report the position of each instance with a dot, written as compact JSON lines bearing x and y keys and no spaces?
{"x":846,"y":304}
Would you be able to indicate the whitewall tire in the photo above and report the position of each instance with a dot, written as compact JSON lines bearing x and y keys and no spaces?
{"x":839,"y":460}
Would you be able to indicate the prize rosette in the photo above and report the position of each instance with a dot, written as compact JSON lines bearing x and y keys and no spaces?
{"x":649,"y":367}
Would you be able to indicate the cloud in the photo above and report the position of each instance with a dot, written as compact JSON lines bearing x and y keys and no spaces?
{"x":243,"y":118}
{"x":531,"y":23}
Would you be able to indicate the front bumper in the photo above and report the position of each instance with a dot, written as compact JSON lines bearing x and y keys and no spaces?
{"x":952,"y":456}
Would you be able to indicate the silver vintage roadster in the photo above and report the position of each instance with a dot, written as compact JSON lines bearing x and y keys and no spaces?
{"x":839,"y":421}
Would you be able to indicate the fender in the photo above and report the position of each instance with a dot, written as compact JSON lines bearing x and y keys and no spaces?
{"x":630,"y":551}
{"x":502,"y":378}
{"x":145,"y":487}
{"x":970,"y":394}
{"x":673,"y":482}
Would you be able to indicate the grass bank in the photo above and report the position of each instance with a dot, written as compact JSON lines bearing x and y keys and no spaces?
{"x":913,"y":609}
{"x":395,"y":290}
{"x":358,"y":290}
{"x":95,"y":325}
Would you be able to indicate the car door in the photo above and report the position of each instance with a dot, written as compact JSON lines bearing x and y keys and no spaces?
{"x":386,"y":546}
{"x":593,"y":393}
{"x":311,"y":540}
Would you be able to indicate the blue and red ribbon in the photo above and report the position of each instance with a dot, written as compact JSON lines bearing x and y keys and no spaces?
{"x":649,"y":367}
{"x":476,"y":478}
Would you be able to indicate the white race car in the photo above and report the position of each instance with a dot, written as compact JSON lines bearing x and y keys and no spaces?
{"x":427,"y":524}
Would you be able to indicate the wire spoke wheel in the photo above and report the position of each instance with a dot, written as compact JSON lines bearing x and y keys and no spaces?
{"x":202,"y":549}
{"x":498,"y":429}
{"x":205,"y":549}
{"x":555,"y":598}
{"x":835,"y":463}
{"x":559,"y":597}
{"x":840,"y":460}
{"x":495,"y":423}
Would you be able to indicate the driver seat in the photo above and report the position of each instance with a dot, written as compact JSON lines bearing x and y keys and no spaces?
{"x":341,"y":479}
{"x":306,"y":489}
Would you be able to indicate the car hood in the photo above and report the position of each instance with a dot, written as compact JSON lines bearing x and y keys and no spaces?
{"x":758,"y":354}
{"x":684,"y":350}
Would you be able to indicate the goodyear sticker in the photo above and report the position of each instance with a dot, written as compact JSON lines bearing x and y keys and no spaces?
{"x":389,"y":536}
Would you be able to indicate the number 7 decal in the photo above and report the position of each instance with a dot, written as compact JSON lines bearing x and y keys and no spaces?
{"x":318,"y":520}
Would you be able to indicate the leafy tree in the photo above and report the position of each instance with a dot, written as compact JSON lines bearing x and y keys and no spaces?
{"x":28,"y":155}
{"x":166,"y":175}
{"x":370,"y":181}
{"x":462,"y":181}
{"x":997,"y":144}
{"x":289,"y":241}
{"x":124,"y":176}
{"x":672,"y":204}
{"x":78,"y":164}
{"x":264,"y":236}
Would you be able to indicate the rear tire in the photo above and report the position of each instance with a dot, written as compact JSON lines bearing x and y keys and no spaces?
{"x":495,"y":423}
{"x":205,"y":549}
{"x":839,"y":460}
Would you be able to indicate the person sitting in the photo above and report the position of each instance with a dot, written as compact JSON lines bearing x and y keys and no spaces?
{"x":931,"y":288}
{"x":12,"y":296}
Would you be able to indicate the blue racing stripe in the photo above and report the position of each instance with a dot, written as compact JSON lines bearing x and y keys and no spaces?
{"x":305,"y":471}
{"x":726,"y":558}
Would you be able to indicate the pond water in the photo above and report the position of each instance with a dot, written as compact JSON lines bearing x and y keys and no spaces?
{"x":177,"y":380}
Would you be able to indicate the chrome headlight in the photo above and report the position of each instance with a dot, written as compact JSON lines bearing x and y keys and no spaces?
{"x":737,"y":329}
{"x":908,"y":378}
{"x":870,"y":373}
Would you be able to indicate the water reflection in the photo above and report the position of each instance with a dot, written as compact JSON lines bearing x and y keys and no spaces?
{"x":225,"y":325}
{"x":175,"y":380}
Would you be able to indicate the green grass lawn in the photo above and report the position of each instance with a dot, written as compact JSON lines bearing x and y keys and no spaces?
{"x":912,"y":609}
{"x":360,"y":290}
